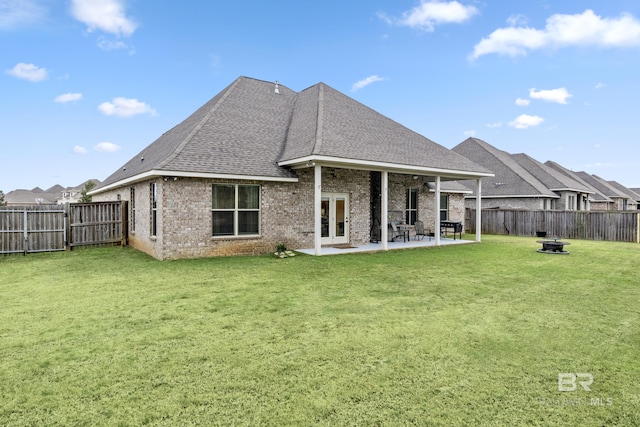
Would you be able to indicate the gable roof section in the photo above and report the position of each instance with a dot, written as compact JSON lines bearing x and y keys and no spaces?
{"x":633,"y":195}
{"x":601,"y":185}
{"x":511,"y":179}
{"x":251,"y":131}
{"x":595,"y":196}
{"x":344,"y":129}
{"x":550,"y":177}
{"x":240,"y":131}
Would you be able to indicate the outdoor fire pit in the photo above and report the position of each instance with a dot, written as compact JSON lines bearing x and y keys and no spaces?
{"x":553,"y":246}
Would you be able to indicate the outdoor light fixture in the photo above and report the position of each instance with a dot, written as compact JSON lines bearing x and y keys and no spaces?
{"x":310,"y":163}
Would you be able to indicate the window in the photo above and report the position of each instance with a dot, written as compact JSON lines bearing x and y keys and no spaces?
{"x":444,"y":207}
{"x":132,"y":209}
{"x":411,"y":208}
{"x":153,"y":204}
{"x":235,"y":210}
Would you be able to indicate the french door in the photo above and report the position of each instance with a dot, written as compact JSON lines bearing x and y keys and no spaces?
{"x":335,"y":218}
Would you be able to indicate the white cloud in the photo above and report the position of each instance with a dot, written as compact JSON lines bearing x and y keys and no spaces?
{"x":105,"y":15}
{"x":28,"y":72}
{"x":517,"y":20}
{"x":559,"y":95}
{"x":431,"y":13}
{"x":108,"y":45}
{"x":585,"y":29}
{"x":366,"y":82}
{"x":520,"y":102}
{"x":15,"y":13}
{"x":106,"y":147}
{"x":79,"y":150}
{"x":125,"y":107}
{"x":600,"y":85}
{"x":68,"y":97}
{"x":494,"y":125}
{"x":525,"y":121}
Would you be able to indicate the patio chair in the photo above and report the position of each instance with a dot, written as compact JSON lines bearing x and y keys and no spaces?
{"x":397,"y":232}
{"x":419,"y":227}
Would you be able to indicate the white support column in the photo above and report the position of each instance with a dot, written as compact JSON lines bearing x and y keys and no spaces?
{"x":478,"y":210}
{"x":384,"y":209}
{"x":317,"y":208}
{"x":436,"y":225}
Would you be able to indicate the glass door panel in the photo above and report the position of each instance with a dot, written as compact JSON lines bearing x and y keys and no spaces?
{"x":340,"y":217}
{"x":325,"y":213}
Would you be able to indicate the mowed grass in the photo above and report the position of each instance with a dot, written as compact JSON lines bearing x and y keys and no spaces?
{"x":470,"y":335}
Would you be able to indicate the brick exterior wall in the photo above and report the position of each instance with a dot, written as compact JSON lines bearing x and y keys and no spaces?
{"x":184,"y":217}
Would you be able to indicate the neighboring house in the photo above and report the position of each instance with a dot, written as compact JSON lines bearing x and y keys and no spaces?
{"x":633,"y":202}
{"x":74,"y":194}
{"x":261,"y":164}
{"x":597,"y":200}
{"x":36,"y":196}
{"x":636,"y":191}
{"x":573,"y":194}
{"x":513,"y":186}
{"x":619,"y":198}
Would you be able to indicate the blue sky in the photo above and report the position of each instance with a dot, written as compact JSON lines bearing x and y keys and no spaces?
{"x":87,"y":84}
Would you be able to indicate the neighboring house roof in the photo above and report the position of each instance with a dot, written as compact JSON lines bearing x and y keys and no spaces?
{"x":551,"y":178}
{"x":633,"y":195}
{"x":511,"y":179}
{"x":601,"y":185}
{"x":28,"y":197}
{"x":595,"y":196}
{"x":251,"y":130}
{"x":637,"y":191}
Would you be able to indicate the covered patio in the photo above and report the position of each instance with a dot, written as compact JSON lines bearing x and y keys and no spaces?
{"x":375,"y":247}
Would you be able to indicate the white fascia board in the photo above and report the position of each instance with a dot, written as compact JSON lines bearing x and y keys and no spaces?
{"x":338,"y":162}
{"x":572,"y":189}
{"x":158,"y":173}
{"x":519,"y":196}
{"x":442,"y":190}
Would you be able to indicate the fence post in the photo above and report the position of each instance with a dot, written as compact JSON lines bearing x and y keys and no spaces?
{"x":25,"y":246}
{"x":124,"y":212}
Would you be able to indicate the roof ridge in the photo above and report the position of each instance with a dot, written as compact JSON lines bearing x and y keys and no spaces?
{"x":201,"y":123}
{"x":319,"y":120}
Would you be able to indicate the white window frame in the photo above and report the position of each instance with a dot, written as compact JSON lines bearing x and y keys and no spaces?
{"x":236,"y":211}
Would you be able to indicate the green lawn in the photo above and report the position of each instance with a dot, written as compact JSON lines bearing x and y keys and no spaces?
{"x":459,"y":335}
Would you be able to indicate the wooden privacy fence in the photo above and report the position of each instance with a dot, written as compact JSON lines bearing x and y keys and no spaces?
{"x":46,"y":228}
{"x":32,"y":229}
{"x":619,"y":226}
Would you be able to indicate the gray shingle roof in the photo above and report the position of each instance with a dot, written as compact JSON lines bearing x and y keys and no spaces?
{"x":329,"y":123}
{"x":595,"y":196}
{"x":633,"y":195}
{"x":511,"y":179}
{"x":248,"y":128}
{"x":551,"y":178}
{"x":601,"y":185}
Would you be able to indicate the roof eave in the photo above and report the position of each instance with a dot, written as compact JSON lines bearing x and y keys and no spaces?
{"x":182,"y":174}
{"x":520,"y":196}
{"x":328,"y":161}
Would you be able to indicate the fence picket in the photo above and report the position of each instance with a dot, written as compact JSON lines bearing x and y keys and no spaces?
{"x":621,"y":226}
{"x":45,"y":228}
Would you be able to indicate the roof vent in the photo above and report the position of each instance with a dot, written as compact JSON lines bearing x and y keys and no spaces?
{"x":276,"y":89}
